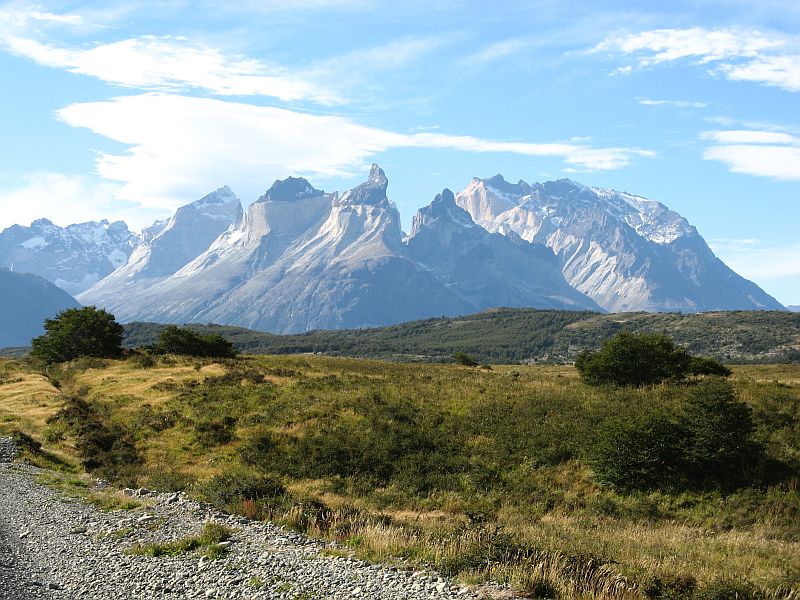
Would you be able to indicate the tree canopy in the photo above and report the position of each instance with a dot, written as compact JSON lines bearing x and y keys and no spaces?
{"x":176,"y":340}
{"x":630,"y":359}
{"x":76,"y":332}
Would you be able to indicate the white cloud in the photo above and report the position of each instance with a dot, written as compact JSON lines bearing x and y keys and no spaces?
{"x":763,"y":153}
{"x":181,"y":147}
{"x":172,"y":63}
{"x":672,"y":103}
{"x":66,"y":199}
{"x":738,"y":54}
{"x":498,"y":51}
{"x":664,"y":45}
{"x":776,"y":71}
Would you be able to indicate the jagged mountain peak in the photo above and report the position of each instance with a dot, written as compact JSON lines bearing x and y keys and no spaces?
{"x":371,"y":192}
{"x":443,"y":211}
{"x":376,"y":175}
{"x":499,"y":183}
{"x":291,"y":188}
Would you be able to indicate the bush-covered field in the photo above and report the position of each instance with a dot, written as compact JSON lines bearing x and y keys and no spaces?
{"x":501,"y":473}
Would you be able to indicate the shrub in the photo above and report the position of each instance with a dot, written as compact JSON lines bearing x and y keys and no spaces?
{"x":708,"y":445}
{"x":642,"y":359}
{"x":719,"y":449}
{"x":175,"y":340}
{"x":77,"y":332}
{"x":236,"y":485}
{"x":106,"y":450}
{"x":700,"y":365}
{"x":640,"y":453}
{"x":462,"y":358}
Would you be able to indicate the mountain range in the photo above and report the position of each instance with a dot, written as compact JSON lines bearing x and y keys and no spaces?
{"x":26,"y":300}
{"x":299,"y":258}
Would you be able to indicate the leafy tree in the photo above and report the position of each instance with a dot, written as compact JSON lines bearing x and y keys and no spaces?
{"x":175,"y":340}
{"x":719,"y":448}
{"x":644,"y":452}
{"x":709,"y":444}
{"x":76,"y":332}
{"x":462,"y":358}
{"x":642,"y":359}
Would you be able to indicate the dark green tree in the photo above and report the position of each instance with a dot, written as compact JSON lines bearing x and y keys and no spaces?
{"x":76,"y":332}
{"x":176,"y":340}
{"x":643,"y":452}
{"x":633,"y":359}
{"x":719,"y":449}
{"x":465,"y":359}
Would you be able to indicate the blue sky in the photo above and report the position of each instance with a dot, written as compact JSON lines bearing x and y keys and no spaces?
{"x":130,"y":110}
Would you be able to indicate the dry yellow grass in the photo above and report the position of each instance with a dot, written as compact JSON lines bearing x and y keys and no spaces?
{"x":27,"y":398}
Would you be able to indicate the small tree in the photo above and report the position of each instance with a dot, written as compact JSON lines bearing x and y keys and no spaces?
{"x":634,"y":359}
{"x":465,"y":359}
{"x":174,"y":340}
{"x":76,"y":332}
{"x":719,"y":449}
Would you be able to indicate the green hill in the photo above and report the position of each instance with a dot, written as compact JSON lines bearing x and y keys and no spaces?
{"x":526,"y":335}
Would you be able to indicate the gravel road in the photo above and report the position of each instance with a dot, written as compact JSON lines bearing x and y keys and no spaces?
{"x":55,"y":547}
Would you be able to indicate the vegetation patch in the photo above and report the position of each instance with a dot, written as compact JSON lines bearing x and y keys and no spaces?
{"x":208,"y":542}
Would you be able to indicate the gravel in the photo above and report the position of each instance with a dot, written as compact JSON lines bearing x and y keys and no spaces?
{"x":55,"y":547}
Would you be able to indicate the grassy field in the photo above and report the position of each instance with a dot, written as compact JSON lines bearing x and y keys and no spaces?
{"x":482,"y":473}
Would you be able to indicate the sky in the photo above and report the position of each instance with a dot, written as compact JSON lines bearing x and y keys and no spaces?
{"x":130,"y":110}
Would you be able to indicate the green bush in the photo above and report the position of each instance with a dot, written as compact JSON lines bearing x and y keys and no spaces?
{"x":719,"y":450}
{"x":77,"y":332}
{"x":708,"y":445}
{"x":106,"y":450}
{"x":236,"y":485}
{"x":642,"y":359}
{"x":461,"y":358}
{"x":642,"y":452}
{"x":700,"y":365}
{"x":175,"y":340}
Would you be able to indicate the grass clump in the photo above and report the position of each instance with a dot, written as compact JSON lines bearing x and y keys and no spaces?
{"x":209,"y":540}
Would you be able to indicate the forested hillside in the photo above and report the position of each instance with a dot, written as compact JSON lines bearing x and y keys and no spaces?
{"x":526,"y":335}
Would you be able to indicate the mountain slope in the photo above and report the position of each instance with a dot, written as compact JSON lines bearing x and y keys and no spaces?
{"x":26,"y":300}
{"x":73,"y":257}
{"x":167,"y":246}
{"x":625,"y":252}
{"x":488,"y":269}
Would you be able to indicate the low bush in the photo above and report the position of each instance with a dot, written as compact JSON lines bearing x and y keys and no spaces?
{"x":175,"y":340}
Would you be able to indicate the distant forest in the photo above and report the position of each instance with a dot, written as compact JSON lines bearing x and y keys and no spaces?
{"x":524,"y":335}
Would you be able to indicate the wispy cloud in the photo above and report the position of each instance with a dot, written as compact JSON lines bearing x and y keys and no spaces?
{"x":180,"y":146}
{"x":771,"y":154}
{"x":738,"y":54}
{"x":172,"y":63}
{"x":672,"y":103}
{"x":498,"y":51}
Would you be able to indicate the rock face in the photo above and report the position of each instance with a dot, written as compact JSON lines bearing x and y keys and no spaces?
{"x":488,"y":269}
{"x":625,"y":252}
{"x":73,"y":257}
{"x":304,"y":259}
{"x":26,"y":300}
{"x":167,"y":246}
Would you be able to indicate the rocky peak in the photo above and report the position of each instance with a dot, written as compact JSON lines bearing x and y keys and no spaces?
{"x":499,"y":183}
{"x":291,"y":188}
{"x":371,"y":192}
{"x":443,"y":211}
